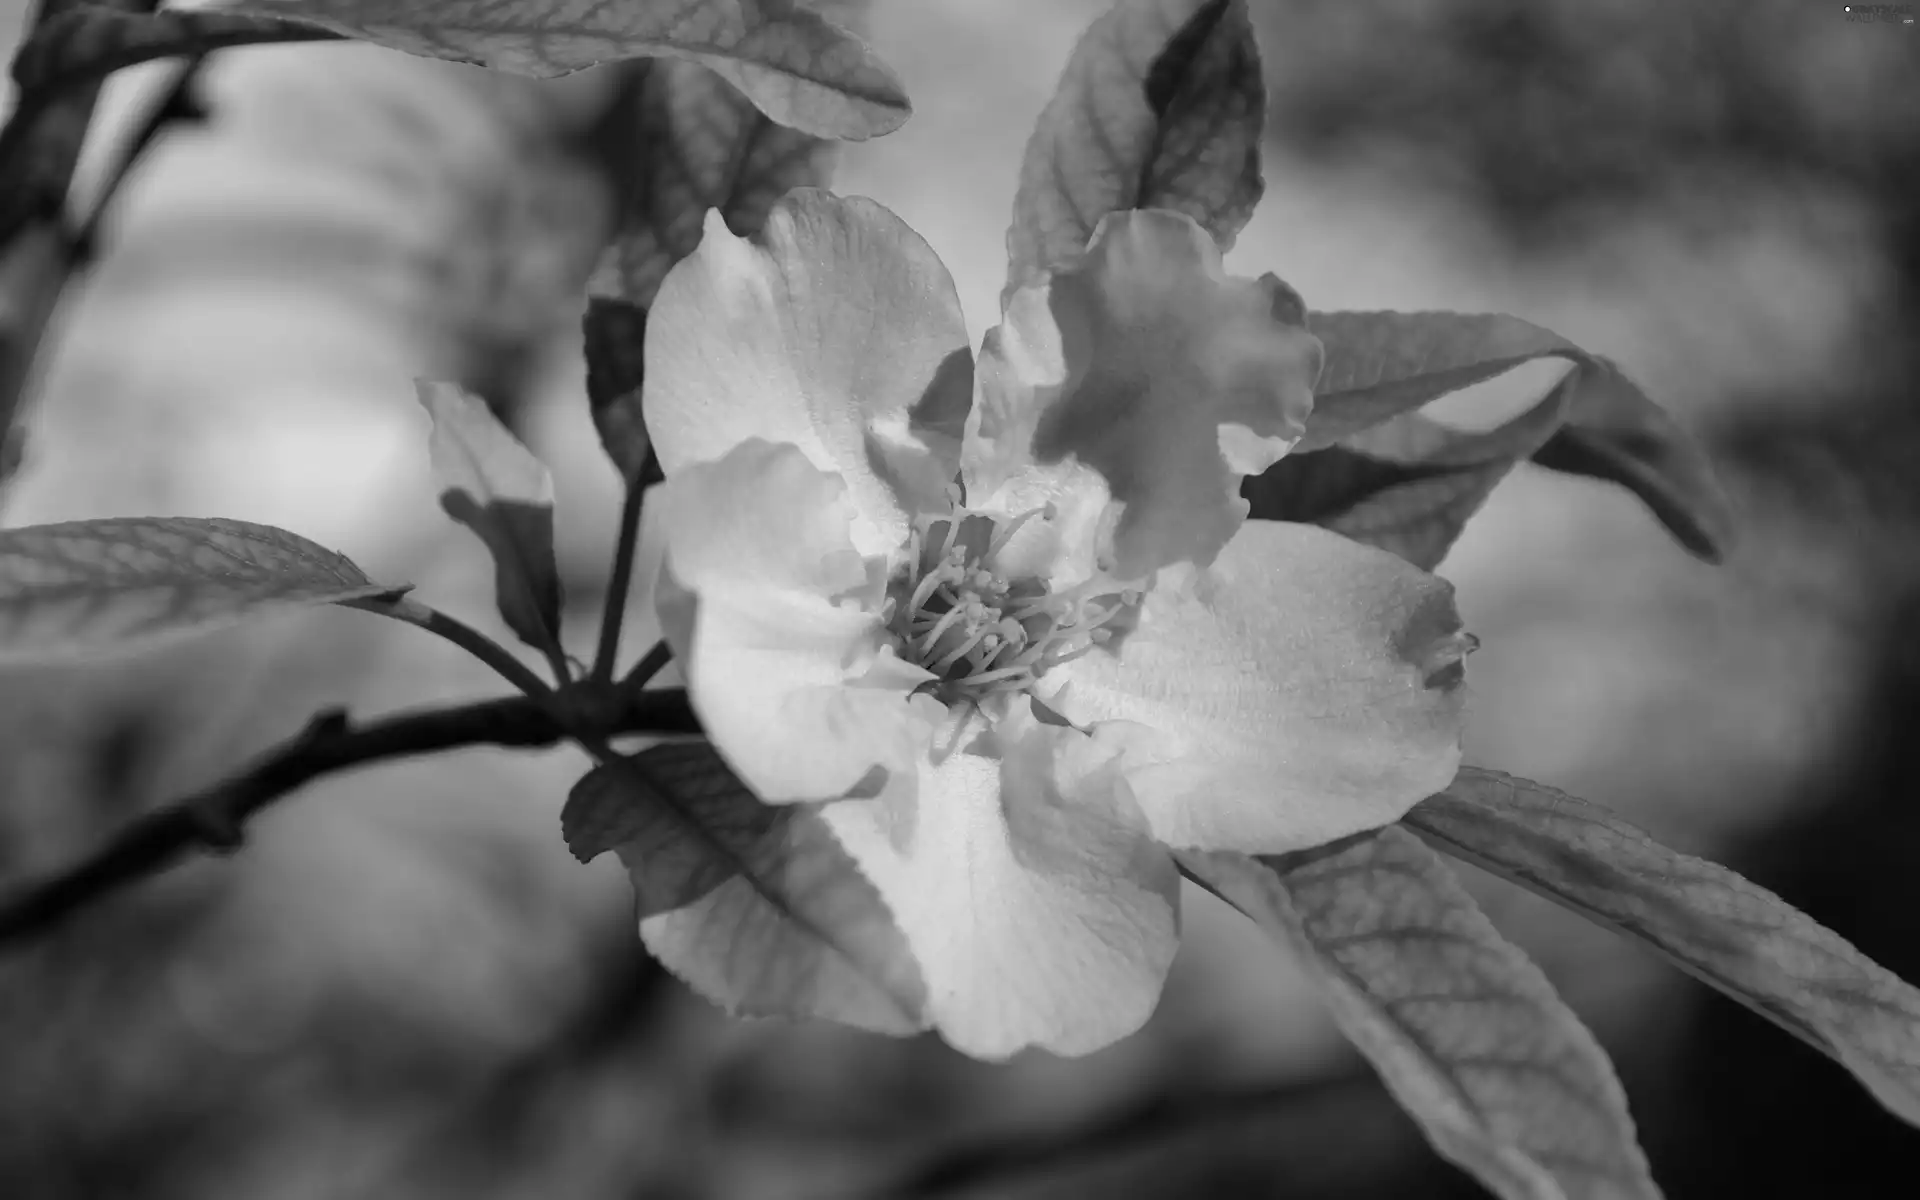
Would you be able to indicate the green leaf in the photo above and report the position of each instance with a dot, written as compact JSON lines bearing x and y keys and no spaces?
{"x":755,"y":905}
{"x":1619,"y":435}
{"x":84,"y":41}
{"x":1466,"y":1032}
{"x":1381,"y":366}
{"x":679,"y":140}
{"x":1410,"y":485}
{"x":87,"y":585}
{"x":615,"y":336}
{"x":1160,"y":106}
{"x":1737,"y":936}
{"x":796,"y":66}
{"x":496,"y":487}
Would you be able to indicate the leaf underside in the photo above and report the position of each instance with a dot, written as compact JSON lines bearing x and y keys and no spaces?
{"x":494,"y":485}
{"x":1161,"y":105}
{"x":755,"y":905}
{"x":1464,"y":1030}
{"x":1373,"y":467}
{"x":681,"y":140}
{"x":1727,"y":931}
{"x":796,"y":66}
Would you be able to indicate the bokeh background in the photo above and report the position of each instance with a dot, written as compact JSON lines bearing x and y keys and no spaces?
{"x":405,"y":986}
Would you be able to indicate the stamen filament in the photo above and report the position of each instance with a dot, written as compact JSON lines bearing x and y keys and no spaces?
{"x":946,"y":622}
{"x":924,"y":591}
{"x":947,"y":661}
{"x":946,"y":543}
{"x":983,"y":633}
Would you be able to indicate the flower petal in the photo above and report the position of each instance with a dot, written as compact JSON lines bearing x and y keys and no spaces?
{"x":1039,"y":910}
{"x":773,"y":617}
{"x":839,"y":331}
{"x":1305,"y":688}
{"x":1149,"y":364}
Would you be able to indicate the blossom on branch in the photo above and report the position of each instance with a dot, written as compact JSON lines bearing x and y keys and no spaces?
{"x":1006,"y":622}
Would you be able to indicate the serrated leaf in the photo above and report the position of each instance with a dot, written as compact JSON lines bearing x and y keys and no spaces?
{"x":797,"y":67}
{"x":1409,"y":485}
{"x":495,"y":486}
{"x":88,"y":585}
{"x":1466,"y":1032}
{"x":1735,"y":935}
{"x":1161,"y":105}
{"x":89,"y":40}
{"x":755,"y":905}
{"x":1383,"y":365}
{"x":680,"y":140}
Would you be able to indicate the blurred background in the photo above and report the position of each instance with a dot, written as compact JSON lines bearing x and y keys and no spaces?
{"x":405,"y":986}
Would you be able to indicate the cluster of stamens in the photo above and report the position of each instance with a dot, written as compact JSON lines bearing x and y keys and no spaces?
{"x":979,"y":632}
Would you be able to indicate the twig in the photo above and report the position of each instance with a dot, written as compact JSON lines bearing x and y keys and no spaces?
{"x":622,"y":581}
{"x":39,"y":149}
{"x":618,"y":586}
{"x":178,"y":104}
{"x":41,"y":141}
{"x":213,"y":819}
{"x":81,"y":45}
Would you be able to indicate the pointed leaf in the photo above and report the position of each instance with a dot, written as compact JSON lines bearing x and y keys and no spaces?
{"x":615,"y":337}
{"x":1160,"y":106}
{"x":1466,"y":1032}
{"x":1619,"y":435}
{"x":496,"y":487}
{"x":1409,"y":485}
{"x":85,"y":41}
{"x":1735,"y":935}
{"x":754,"y":905}
{"x":679,"y":140}
{"x":796,"y":66}
{"x":608,"y":808}
{"x":1381,"y":365}
{"x":88,"y":585}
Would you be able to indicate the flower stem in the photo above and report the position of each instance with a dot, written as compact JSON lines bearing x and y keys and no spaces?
{"x":622,"y":579}
{"x":462,"y":635}
{"x":656,"y":659}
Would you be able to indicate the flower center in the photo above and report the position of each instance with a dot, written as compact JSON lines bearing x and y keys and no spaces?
{"x":979,"y":631}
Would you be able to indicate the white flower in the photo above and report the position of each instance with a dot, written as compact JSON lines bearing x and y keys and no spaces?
{"x":1010,"y":627}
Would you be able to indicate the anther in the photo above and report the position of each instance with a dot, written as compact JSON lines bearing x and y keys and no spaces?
{"x":983,"y":633}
